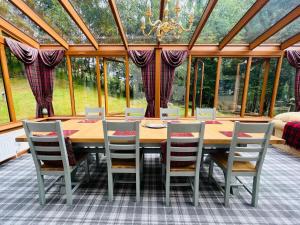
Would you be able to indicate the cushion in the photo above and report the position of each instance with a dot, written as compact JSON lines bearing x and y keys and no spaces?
{"x":288,"y":116}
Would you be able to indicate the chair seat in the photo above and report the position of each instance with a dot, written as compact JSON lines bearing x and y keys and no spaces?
{"x":50,"y":167}
{"x":185,"y":168}
{"x":123,"y":163}
{"x":238,"y":166}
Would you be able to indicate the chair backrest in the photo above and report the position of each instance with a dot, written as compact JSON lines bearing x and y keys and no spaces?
{"x":46,"y":147}
{"x":250,"y":149}
{"x":169,"y":113}
{"x":134,"y":113}
{"x":122,"y":140}
{"x":205,"y":113}
{"x":95,"y":113}
{"x":194,"y":139}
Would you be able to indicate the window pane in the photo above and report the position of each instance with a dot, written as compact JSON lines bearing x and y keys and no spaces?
{"x":255,"y":86}
{"x":231,"y":86}
{"x":98,"y":17}
{"x":116,"y":86}
{"x":84,"y":84}
{"x":206,"y":99}
{"x":56,"y":16}
{"x":137,"y":94}
{"x":178,"y":89}
{"x":24,"y":101}
{"x":61,"y":96}
{"x":4,"y":116}
{"x":13,"y":15}
{"x":186,"y":7}
{"x":285,"y":33}
{"x":272,"y":12}
{"x":224,"y":16}
{"x":131,"y":12}
{"x":285,"y":100}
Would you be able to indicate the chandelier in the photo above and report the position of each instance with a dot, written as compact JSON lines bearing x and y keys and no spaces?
{"x":170,"y":26}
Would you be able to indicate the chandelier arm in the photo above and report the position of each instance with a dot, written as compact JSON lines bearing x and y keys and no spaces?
{"x":185,"y":29}
{"x":148,"y":34}
{"x":155,"y":22}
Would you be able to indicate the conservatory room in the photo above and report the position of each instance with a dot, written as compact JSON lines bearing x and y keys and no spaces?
{"x":149,"y":112}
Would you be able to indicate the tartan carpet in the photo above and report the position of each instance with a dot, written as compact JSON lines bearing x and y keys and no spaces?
{"x":279,"y":201}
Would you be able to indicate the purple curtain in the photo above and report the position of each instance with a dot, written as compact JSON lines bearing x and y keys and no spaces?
{"x":39,"y":68}
{"x":170,"y":60}
{"x":145,"y":60}
{"x":294,"y":59}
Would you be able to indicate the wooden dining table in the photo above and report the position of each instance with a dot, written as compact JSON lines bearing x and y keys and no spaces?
{"x":85,"y":132}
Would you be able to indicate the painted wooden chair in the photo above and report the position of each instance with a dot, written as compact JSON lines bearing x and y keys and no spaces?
{"x":169,"y":113}
{"x":190,"y":156}
{"x":122,"y":147}
{"x":95,"y":114}
{"x":205,"y":113}
{"x":53,"y":156}
{"x":134,"y":113}
{"x":245,"y":157}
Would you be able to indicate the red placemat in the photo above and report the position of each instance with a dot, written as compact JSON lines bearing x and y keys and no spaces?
{"x":66,"y":133}
{"x":181,"y":134}
{"x":229,"y":134}
{"x":212,"y":122}
{"x":124,"y":132}
{"x":88,"y":121}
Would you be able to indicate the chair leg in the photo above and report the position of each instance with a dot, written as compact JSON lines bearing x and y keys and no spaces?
{"x":167,"y":190}
{"x":41,"y":184}
{"x":196,"y":190}
{"x":68,"y":186}
{"x":211,"y":170}
{"x":227,"y":189}
{"x":87,"y":170}
{"x":110,"y":186}
{"x":97,"y":160}
{"x":255,"y":191}
{"x":138,"y":185}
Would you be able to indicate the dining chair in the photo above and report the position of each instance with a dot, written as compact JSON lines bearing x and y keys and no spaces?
{"x":245,"y":157}
{"x":134,"y":113}
{"x":205,"y":113}
{"x":53,"y":155}
{"x":182,"y":158}
{"x":122,"y":145}
{"x":95,"y":113}
{"x":169,"y":113}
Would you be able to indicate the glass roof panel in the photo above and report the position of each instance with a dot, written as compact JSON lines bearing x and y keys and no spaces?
{"x":272,"y":12}
{"x":98,"y":17}
{"x":285,"y":33}
{"x":131,"y":12}
{"x":187,"y":6}
{"x":13,"y":15}
{"x":223,"y":18}
{"x":55,"y":15}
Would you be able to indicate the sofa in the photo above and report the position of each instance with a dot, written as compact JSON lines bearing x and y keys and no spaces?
{"x":279,"y":122}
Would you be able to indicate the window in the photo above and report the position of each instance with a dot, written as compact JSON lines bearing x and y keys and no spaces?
{"x":61,"y":96}
{"x":84,"y":84}
{"x":116,"y":86}
{"x":24,"y":101}
{"x":231,"y":86}
{"x":4,"y":115}
{"x":137,"y":94}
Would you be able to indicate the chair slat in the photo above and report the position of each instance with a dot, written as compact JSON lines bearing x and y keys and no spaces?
{"x":49,"y":157}
{"x":121,"y":137}
{"x":47,"y":148}
{"x":183,"y":158}
{"x":250,"y":140}
{"x":245,"y":158}
{"x":248,"y":149}
{"x":122,"y":155}
{"x":44,"y":138}
{"x":121,"y":147}
{"x":183,"y":149}
{"x":184,"y":140}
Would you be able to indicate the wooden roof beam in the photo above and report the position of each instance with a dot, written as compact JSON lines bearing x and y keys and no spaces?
{"x":161,"y":10}
{"x":291,"y":16}
{"x":255,"y":8}
{"x":289,"y":42}
{"x":17,"y":34}
{"x":77,"y":19}
{"x":40,"y":22}
{"x":116,"y":15}
{"x":208,"y":10}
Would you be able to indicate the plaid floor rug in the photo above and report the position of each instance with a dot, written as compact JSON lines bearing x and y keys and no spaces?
{"x":279,"y":201}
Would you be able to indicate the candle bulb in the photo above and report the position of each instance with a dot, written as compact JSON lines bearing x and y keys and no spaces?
{"x":143,"y":21}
